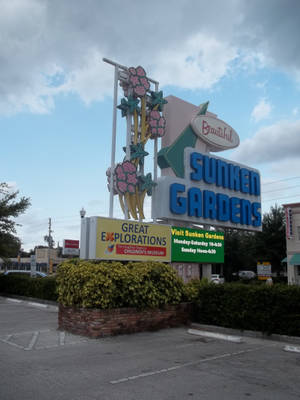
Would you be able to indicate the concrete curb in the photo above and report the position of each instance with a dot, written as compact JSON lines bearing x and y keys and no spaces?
{"x":252,"y":334}
{"x":30,"y":301}
{"x":214,"y":335}
{"x":292,"y":349}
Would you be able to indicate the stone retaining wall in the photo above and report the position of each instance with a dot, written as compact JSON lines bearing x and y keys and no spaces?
{"x":98,"y":323}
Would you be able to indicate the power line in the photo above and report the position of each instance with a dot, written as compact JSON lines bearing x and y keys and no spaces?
{"x":285,"y":197}
{"x":281,"y":180}
{"x":277,"y":190}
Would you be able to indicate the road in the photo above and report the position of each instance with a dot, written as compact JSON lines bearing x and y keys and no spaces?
{"x":38,"y":362}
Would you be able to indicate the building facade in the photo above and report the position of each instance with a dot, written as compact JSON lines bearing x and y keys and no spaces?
{"x":292,"y":215}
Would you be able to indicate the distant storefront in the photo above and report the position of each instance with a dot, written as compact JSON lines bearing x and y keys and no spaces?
{"x":292,"y":214}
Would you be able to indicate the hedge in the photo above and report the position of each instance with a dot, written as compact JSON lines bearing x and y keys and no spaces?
{"x":268,"y":309}
{"x":105,"y":285}
{"x":115,"y":285}
{"x":23,"y":285}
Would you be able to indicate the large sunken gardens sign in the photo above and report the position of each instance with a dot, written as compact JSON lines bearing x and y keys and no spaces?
{"x":197,"y":186}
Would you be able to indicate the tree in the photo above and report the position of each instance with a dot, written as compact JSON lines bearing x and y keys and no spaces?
{"x":239,"y":252}
{"x":10,"y":208}
{"x":271,"y":242}
{"x":244,"y":249}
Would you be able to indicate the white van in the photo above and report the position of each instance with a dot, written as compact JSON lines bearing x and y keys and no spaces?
{"x":247,"y":274}
{"x":216,"y":278}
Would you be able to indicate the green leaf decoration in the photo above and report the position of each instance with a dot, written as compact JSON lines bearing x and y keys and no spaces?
{"x":157,"y":99}
{"x":137,"y":152}
{"x":129,"y":105}
{"x":203,"y":108}
{"x":146,"y":183}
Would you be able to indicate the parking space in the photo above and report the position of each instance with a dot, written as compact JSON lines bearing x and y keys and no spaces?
{"x":43,"y":363}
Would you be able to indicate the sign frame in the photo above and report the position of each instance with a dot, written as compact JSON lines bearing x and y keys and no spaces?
{"x":128,"y":240}
{"x":197,"y":245}
{"x":70,"y":247}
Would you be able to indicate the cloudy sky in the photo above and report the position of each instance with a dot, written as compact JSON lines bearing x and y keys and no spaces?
{"x":56,"y":92}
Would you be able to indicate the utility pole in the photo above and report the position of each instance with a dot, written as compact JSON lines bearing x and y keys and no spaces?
{"x":48,"y":238}
{"x":49,"y":233}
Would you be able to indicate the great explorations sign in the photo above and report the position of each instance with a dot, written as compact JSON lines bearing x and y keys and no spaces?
{"x":116,"y":239}
{"x":199,"y":246}
{"x":197,"y":186}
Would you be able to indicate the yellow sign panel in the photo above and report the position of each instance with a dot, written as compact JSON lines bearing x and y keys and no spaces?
{"x":264,"y":270}
{"x":130,"y":240}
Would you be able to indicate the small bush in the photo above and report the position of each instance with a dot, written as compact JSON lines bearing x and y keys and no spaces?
{"x":113,"y":284}
{"x":24,"y":285}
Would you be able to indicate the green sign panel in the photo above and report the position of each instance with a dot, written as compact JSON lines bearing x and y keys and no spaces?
{"x":199,"y":246}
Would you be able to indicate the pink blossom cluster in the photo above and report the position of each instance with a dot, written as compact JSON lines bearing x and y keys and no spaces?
{"x":126,"y":177}
{"x":157,"y":124}
{"x":138,"y":81}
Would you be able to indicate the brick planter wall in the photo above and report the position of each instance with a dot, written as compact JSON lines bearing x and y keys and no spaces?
{"x":97,"y":323}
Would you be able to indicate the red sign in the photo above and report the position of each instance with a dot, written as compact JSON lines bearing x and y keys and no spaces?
{"x":288,"y":223}
{"x":71,"y":244}
{"x":135,"y":250}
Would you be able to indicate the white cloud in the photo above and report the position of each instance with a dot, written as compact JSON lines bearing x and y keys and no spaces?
{"x":197,"y":63}
{"x":296,"y":111}
{"x":12,"y":186}
{"x":261,"y":111}
{"x":190,"y":44}
{"x":92,"y":81}
{"x":271,"y":144}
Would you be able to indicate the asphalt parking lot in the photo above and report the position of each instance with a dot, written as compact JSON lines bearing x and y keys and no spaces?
{"x":39,"y":362}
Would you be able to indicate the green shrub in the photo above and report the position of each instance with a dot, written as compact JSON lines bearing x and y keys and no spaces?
{"x":269,"y":309}
{"x":24,"y":285}
{"x":113,"y":284}
{"x":192,"y":288}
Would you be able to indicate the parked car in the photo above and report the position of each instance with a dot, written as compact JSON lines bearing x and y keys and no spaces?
{"x":246,"y":274}
{"x":38,"y":274}
{"x":216,"y":278}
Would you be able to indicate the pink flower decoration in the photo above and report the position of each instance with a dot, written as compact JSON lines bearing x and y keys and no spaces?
{"x":140,"y":71}
{"x":122,"y":186}
{"x":126,"y":178}
{"x":157,"y":124}
{"x":134,"y":80}
{"x":119,"y":172}
{"x":131,"y":178}
{"x":144,"y":81}
{"x":128,"y":166}
{"x":108,"y":174}
{"x":138,"y":81}
{"x":131,"y":189}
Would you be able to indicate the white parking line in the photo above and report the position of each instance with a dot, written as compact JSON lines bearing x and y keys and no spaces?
{"x":33,"y":341}
{"x":53,"y":337}
{"x":31,"y":303}
{"x":204,"y":360}
{"x":62,"y":337}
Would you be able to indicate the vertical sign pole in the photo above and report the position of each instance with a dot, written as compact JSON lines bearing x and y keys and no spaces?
{"x":113,"y":144}
{"x":155,"y":146}
{"x":155,"y":149}
{"x":128,"y":143}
